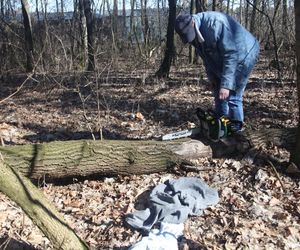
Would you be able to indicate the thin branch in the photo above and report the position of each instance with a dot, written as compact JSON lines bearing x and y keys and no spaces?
{"x":277,"y":175}
{"x":18,"y":89}
{"x":274,"y":39}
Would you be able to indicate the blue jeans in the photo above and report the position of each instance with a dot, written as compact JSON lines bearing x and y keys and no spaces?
{"x":232,"y":107}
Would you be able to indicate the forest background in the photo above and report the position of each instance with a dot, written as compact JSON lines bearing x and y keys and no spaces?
{"x":74,"y":70}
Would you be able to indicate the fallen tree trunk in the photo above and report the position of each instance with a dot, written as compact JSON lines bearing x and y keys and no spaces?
{"x":20,"y":189}
{"x":108,"y":157}
{"x":285,"y":138}
{"x":111,"y":157}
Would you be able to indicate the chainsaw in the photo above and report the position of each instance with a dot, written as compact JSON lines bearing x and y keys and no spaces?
{"x":210,"y":126}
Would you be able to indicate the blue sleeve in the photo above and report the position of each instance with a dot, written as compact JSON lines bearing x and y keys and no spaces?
{"x":227,"y":49}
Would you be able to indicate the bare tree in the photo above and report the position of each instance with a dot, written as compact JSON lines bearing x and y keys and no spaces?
{"x":159,"y":20}
{"x":201,"y":5}
{"x":241,"y":12}
{"x":277,"y":65}
{"x":28,"y":35}
{"x":227,"y":6}
{"x":2,"y":8}
{"x":246,"y":14}
{"x":253,"y":17}
{"x":124,"y":18}
{"x":62,"y":13}
{"x":164,"y":69}
{"x":90,"y":38}
{"x":115,"y":17}
{"x":132,"y":6}
{"x":145,"y":23}
{"x":285,"y":22}
{"x":214,"y":4}
{"x":83,"y":33}
{"x":192,"y":53}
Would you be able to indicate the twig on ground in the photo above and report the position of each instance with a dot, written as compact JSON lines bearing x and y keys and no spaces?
{"x":194,"y":168}
{"x":277,"y":175}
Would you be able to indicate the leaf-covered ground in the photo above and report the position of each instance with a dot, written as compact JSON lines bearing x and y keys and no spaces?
{"x":259,"y":207}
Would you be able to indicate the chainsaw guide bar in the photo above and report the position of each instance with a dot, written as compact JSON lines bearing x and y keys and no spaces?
{"x":181,"y":134}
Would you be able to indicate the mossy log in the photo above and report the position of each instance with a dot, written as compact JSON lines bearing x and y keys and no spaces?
{"x":65,"y":159}
{"x":34,"y":203}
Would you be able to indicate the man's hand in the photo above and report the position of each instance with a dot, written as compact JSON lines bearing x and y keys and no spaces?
{"x":223,"y":94}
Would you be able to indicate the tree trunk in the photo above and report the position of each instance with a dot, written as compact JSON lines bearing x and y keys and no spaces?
{"x":57,"y":7}
{"x":164,"y":69}
{"x":90,"y":37}
{"x":2,"y":8}
{"x":124,"y":31}
{"x":285,"y":29}
{"x":28,"y":35}
{"x":253,"y":17}
{"x":254,"y":140}
{"x":132,"y":5}
{"x":201,"y":5}
{"x":115,"y":17}
{"x":295,"y":156}
{"x":62,"y":13}
{"x":227,"y":6}
{"x":39,"y":209}
{"x":85,"y":158}
{"x":270,"y":34}
{"x":213,"y":7}
{"x":241,"y":12}
{"x":192,"y":53}
{"x":246,"y":15}
{"x":83,"y":33}
{"x":159,"y":22}
{"x":145,"y":23}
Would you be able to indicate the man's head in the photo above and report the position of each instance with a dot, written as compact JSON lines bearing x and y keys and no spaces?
{"x":184,"y":26}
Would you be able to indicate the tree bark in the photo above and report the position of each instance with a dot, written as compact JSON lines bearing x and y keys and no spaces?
{"x":201,"y":5}
{"x":159,"y":21}
{"x":227,"y":6}
{"x":285,"y":29}
{"x":83,"y":33}
{"x":145,"y":23}
{"x":2,"y":8}
{"x":115,"y":17}
{"x":253,"y":17}
{"x":90,"y":34}
{"x":213,"y":6}
{"x":39,"y":209}
{"x":255,"y":140}
{"x":68,"y":159}
{"x":28,"y":35}
{"x":192,"y":52}
{"x":124,"y":31}
{"x":62,"y":13}
{"x":85,"y":158}
{"x":164,"y":68}
{"x":246,"y":14}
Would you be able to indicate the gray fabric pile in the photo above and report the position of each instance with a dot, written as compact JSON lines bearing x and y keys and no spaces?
{"x":173,"y":201}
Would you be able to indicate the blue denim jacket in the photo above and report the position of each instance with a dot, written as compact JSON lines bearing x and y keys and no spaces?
{"x":228,"y":48}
